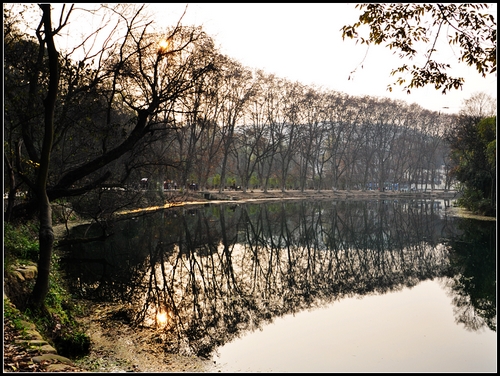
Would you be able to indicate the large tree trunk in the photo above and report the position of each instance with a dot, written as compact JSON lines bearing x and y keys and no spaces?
{"x":227,"y":146}
{"x":46,"y":233}
{"x":223,"y":171}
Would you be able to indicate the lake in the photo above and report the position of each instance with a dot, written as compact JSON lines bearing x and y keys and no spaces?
{"x":303,"y":286}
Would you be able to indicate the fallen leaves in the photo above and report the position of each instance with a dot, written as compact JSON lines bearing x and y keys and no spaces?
{"x":17,"y":358}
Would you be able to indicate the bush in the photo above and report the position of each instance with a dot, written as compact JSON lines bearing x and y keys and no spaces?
{"x":21,"y":242}
{"x":11,"y":313}
{"x":55,"y":320}
{"x":473,"y":200}
{"x":72,"y":344}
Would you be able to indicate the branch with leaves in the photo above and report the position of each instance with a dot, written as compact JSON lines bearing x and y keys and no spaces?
{"x":403,"y":26}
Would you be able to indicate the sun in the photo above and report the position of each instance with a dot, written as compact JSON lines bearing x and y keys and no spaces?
{"x":161,"y":318}
{"x":164,"y":45}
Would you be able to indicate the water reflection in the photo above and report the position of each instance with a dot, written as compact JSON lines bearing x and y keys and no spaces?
{"x":473,"y":274}
{"x":219,"y":271}
{"x":411,"y":330}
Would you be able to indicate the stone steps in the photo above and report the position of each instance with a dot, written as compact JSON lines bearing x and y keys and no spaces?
{"x":45,"y":354}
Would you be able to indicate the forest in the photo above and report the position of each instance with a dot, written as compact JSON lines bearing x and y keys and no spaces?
{"x":84,"y":124}
{"x":167,"y":106}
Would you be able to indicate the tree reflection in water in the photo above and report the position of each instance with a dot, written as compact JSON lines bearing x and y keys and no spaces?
{"x":218,"y":271}
{"x":473,"y":274}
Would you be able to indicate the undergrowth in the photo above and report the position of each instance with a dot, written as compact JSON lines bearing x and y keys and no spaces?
{"x":56,"y":321}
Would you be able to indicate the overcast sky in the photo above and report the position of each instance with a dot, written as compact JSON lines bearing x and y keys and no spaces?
{"x":303,"y":42}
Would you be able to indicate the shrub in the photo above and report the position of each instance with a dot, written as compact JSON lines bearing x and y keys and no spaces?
{"x":473,"y":200}
{"x":72,"y":343}
{"x":21,"y":241}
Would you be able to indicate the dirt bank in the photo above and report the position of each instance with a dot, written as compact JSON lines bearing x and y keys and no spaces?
{"x":117,"y":347}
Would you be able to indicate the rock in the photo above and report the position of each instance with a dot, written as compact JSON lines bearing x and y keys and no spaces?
{"x":38,"y":344}
{"x":28,"y":271}
{"x":33,"y":334}
{"x":48,"y":349}
{"x":28,"y":325}
{"x":31,"y":342}
{"x":56,"y":363}
{"x":18,"y":275}
{"x":58,"y":367}
{"x":52,"y":357}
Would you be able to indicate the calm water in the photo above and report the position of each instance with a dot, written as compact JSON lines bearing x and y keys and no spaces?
{"x":413,"y":330}
{"x":302,"y":286}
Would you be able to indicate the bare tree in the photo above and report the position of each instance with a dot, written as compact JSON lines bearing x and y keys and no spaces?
{"x":312,"y":109}
{"x":288,"y":131}
{"x":341,"y":126}
{"x":136,"y":77}
{"x":236,"y":91}
{"x":479,"y":105}
{"x":270,"y":89}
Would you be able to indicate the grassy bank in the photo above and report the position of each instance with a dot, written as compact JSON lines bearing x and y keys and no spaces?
{"x":56,"y":322}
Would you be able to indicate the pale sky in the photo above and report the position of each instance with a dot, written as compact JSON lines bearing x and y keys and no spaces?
{"x":303,"y":42}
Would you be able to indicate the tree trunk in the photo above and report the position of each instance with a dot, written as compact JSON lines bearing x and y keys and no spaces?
{"x":46,"y":240}
{"x":46,"y":232}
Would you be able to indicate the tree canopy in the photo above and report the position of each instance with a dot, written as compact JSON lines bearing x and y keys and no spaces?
{"x":403,"y":27}
{"x":473,"y":150}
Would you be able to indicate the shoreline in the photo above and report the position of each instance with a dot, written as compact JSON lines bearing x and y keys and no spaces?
{"x":204,"y":197}
{"x":178,"y":198}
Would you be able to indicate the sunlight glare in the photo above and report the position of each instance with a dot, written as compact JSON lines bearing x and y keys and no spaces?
{"x":161,"y":318}
{"x":164,"y":45}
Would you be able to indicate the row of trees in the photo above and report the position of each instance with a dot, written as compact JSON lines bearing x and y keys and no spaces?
{"x":282,"y":134}
{"x":184,"y":112}
{"x":168,"y":105}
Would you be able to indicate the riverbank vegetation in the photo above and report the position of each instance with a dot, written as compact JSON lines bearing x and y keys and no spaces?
{"x":56,"y":321}
{"x":473,"y":152}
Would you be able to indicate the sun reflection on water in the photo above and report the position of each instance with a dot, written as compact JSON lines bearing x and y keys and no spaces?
{"x":161,"y":319}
